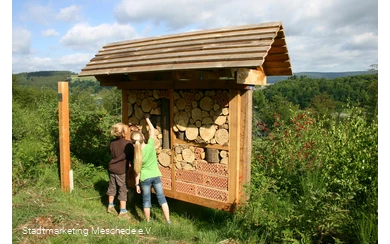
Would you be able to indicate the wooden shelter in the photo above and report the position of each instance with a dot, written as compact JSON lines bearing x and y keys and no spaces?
{"x":198,"y":88}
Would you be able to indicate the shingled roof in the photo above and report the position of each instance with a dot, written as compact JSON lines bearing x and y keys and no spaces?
{"x":250,"y":46}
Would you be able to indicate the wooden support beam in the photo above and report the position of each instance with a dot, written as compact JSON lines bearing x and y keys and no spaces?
{"x":251,"y":76}
{"x":234,"y":145}
{"x":63,"y":122}
{"x":246,"y":145}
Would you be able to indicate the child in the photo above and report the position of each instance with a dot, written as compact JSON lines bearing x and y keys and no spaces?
{"x":121,"y":153}
{"x":147,"y":171}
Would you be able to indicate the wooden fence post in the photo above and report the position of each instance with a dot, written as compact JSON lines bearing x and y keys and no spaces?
{"x":63,"y":122}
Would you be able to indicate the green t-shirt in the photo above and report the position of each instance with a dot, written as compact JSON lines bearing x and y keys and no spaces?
{"x":149,"y":167}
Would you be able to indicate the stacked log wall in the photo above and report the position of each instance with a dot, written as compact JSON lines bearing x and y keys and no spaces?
{"x":199,"y":157}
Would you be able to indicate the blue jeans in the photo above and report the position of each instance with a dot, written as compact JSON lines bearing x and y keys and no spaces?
{"x":146,"y":187}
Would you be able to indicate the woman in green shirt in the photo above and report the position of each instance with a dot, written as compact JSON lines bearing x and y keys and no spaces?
{"x":147,"y":172}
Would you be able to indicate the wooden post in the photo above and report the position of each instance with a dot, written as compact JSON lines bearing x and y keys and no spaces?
{"x":165,"y":112}
{"x":63,"y":122}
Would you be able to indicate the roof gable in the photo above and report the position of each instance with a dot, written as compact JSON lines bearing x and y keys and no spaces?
{"x":250,"y":46}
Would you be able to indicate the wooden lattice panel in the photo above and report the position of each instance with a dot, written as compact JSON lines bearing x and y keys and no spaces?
{"x":215,"y":181}
{"x":166,"y":183}
{"x":210,"y":193}
{"x":165,"y":171}
{"x":213,"y":168}
{"x":185,"y":188}
{"x":189,"y":176}
{"x":202,"y":191}
{"x":202,"y":179}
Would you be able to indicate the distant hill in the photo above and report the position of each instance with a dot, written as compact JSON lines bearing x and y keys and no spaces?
{"x":70,"y":76}
{"x":317,"y":75}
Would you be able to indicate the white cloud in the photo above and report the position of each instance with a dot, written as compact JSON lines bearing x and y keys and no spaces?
{"x":363,"y":41}
{"x":30,"y":64}
{"x":71,"y":62}
{"x":21,"y":41}
{"x":70,"y":14}
{"x":92,"y":38}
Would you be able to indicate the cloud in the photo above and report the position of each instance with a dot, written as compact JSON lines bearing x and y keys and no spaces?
{"x":171,"y":13}
{"x":92,"y":38}
{"x":30,"y":64}
{"x":68,"y":62}
{"x":70,"y":14}
{"x":21,"y":41}
{"x":363,"y":41}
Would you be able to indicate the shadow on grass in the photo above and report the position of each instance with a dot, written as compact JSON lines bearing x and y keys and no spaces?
{"x":201,"y":216}
{"x":134,"y":199}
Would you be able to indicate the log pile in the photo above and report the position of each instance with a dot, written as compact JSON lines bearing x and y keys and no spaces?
{"x":200,"y":117}
{"x":187,"y":157}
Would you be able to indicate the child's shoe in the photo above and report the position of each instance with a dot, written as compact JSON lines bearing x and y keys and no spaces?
{"x":124,"y":215}
{"x":111,"y":209}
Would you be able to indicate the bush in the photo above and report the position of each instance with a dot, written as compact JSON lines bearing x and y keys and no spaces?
{"x":312,"y":183}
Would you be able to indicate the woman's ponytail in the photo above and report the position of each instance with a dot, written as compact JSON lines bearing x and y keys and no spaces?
{"x":136,"y":138}
{"x":137,"y":157}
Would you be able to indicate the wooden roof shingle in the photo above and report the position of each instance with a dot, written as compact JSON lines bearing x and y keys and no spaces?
{"x":249,"y":46}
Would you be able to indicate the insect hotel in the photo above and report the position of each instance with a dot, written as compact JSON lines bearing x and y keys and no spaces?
{"x":197,"y":86}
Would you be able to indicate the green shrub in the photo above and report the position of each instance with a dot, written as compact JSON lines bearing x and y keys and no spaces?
{"x":309,"y":182}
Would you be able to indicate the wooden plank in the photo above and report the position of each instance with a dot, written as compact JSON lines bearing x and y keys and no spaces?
{"x":246,"y":63}
{"x":64,"y":142}
{"x":278,"y":64}
{"x":200,"y":201}
{"x":277,"y":57}
{"x":205,"y":145}
{"x":279,"y":42}
{"x":186,"y":51}
{"x":246,"y":146}
{"x":125,"y":118}
{"x":179,"y":60}
{"x":104,"y":83}
{"x":172,"y":135}
{"x":197,"y":35}
{"x":209,"y":84}
{"x":193,"y":84}
{"x":165,"y":123}
{"x":234,"y":145}
{"x":162,"y":76}
{"x":251,"y":76}
{"x":278,"y":71}
{"x":278,"y":49}
{"x":205,"y":74}
{"x":139,"y":85}
{"x":199,"y":74}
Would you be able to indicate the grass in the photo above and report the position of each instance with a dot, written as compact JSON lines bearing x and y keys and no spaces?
{"x":43,"y":213}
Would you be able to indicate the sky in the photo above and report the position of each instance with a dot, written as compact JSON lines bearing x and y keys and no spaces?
{"x":321,"y":36}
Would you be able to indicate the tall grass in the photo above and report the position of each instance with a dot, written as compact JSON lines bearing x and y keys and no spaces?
{"x":45,"y":205}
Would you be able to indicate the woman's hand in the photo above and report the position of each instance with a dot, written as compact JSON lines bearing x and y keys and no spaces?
{"x":138,"y":189}
{"x":151,"y":127}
